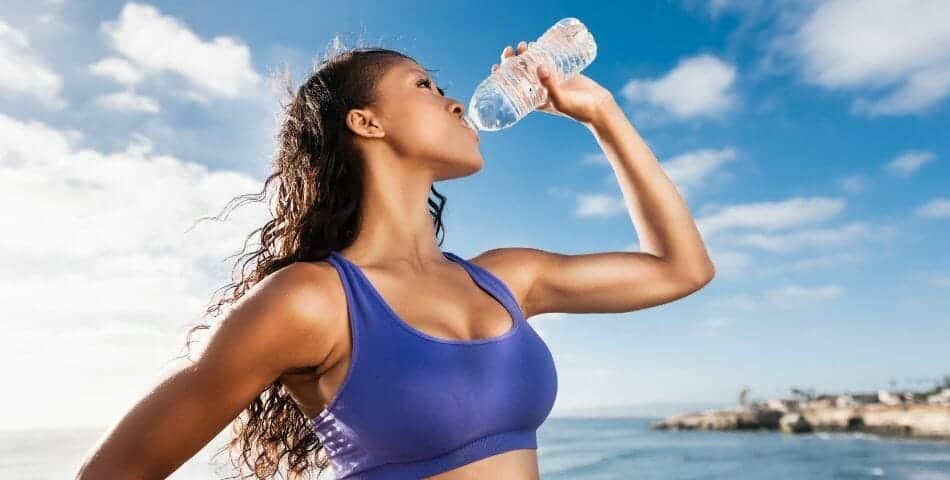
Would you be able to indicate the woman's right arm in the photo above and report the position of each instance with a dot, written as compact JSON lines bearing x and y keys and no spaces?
{"x":282,"y":322}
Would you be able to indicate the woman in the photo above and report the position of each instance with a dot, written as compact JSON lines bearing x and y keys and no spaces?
{"x":357,"y":343}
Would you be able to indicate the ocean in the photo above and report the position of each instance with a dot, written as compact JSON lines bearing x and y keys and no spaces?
{"x":592,"y":449}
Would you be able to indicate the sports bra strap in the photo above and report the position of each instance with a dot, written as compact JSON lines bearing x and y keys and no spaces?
{"x":489,"y":281}
{"x":370,"y":310}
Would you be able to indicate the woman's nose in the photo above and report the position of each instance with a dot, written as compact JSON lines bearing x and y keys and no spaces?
{"x":456,"y":107}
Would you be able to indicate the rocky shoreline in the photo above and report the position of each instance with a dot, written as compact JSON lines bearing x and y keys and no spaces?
{"x":911,"y":415}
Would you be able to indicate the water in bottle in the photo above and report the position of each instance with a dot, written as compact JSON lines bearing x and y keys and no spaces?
{"x":514,"y":90}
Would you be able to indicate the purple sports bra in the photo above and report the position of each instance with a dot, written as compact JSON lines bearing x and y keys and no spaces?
{"x":412,"y":405}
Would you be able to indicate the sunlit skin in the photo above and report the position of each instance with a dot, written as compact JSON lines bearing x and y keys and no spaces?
{"x":293,"y":325}
{"x":406,"y":275}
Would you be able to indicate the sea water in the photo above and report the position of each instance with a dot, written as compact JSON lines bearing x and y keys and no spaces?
{"x":588,"y":449}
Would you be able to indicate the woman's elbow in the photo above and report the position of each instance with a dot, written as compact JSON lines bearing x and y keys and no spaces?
{"x":698,"y":277}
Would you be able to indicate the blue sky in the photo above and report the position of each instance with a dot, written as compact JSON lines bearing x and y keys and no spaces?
{"x":808,"y":139}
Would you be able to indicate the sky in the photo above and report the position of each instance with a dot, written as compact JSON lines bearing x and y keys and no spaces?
{"x":808,"y":139}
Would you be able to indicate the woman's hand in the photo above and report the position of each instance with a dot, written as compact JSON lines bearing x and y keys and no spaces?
{"x":578,"y":97}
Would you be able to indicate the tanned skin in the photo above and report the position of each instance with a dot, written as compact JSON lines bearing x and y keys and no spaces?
{"x":293,"y":325}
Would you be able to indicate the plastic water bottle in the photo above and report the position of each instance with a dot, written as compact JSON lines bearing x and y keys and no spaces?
{"x":514,"y":90}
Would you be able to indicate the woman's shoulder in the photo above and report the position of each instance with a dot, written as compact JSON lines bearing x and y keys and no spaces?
{"x":513,"y":266}
{"x":309,"y":305}
{"x":299,"y":284}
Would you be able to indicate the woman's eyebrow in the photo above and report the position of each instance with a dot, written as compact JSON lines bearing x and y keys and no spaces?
{"x":415,"y":70}
{"x":423,"y":72}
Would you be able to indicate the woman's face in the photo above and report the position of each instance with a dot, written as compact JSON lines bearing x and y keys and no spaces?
{"x":423,"y":125}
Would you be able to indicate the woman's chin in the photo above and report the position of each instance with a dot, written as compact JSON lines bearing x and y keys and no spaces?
{"x":461,"y":164}
{"x":476,"y":164}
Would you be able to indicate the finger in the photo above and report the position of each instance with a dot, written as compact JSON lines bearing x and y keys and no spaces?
{"x":547,"y":79}
{"x":506,"y":53}
{"x":522,"y":46}
{"x":494,"y":67}
{"x":543,"y":74}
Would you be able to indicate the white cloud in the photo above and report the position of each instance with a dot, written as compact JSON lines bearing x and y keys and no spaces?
{"x":559,"y":191}
{"x":23,"y":72}
{"x":551,"y":316}
{"x":900,"y":46}
{"x":921,"y":90}
{"x":595,"y":159}
{"x":691,"y":169}
{"x":940,"y":280}
{"x":118,"y":213}
{"x":599,"y":205}
{"x":739,"y":301}
{"x":784,"y":214}
{"x":796,"y":296}
{"x":936,"y":208}
{"x":905,"y":164}
{"x":696,"y":87}
{"x":825,"y":261}
{"x":98,"y":266}
{"x":718,"y":7}
{"x":570,"y":357}
{"x":118,"y":69}
{"x":687,"y":171}
{"x":603,"y":373}
{"x":854,"y":183}
{"x":838,"y":236}
{"x":713,"y":326}
{"x":156,"y":43}
{"x":729,"y":263}
{"x":128,"y":101}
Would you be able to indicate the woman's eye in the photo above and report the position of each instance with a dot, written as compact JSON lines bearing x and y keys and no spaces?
{"x":428,"y":84}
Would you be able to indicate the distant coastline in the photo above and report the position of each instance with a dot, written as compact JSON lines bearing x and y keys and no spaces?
{"x":908,"y":414}
{"x":634,"y":410}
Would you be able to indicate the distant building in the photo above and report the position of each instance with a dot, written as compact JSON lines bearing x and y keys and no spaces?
{"x":782,"y":405}
{"x":888,"y":398}
{"x":845,"y":401}
{"x":865,"y":398}
{"x":940,"y":398}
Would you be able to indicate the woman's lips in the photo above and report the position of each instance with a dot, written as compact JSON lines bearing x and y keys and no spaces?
{"x":467,"y":123}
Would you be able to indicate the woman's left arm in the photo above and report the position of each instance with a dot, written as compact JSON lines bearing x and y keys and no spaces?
{"x":662,"y":219}
{"x":672,"y":261}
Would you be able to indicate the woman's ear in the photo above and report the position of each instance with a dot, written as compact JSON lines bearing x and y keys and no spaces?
{"x":364,"y":123}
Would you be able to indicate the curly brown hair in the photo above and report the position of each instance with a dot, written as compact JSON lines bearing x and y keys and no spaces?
{"x":314,"y":192}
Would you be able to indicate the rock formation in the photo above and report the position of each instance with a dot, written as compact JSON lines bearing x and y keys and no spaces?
{"x":907,"y":415}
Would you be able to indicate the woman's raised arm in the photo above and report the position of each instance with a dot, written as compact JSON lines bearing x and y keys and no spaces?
{"x":282,"y":322}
